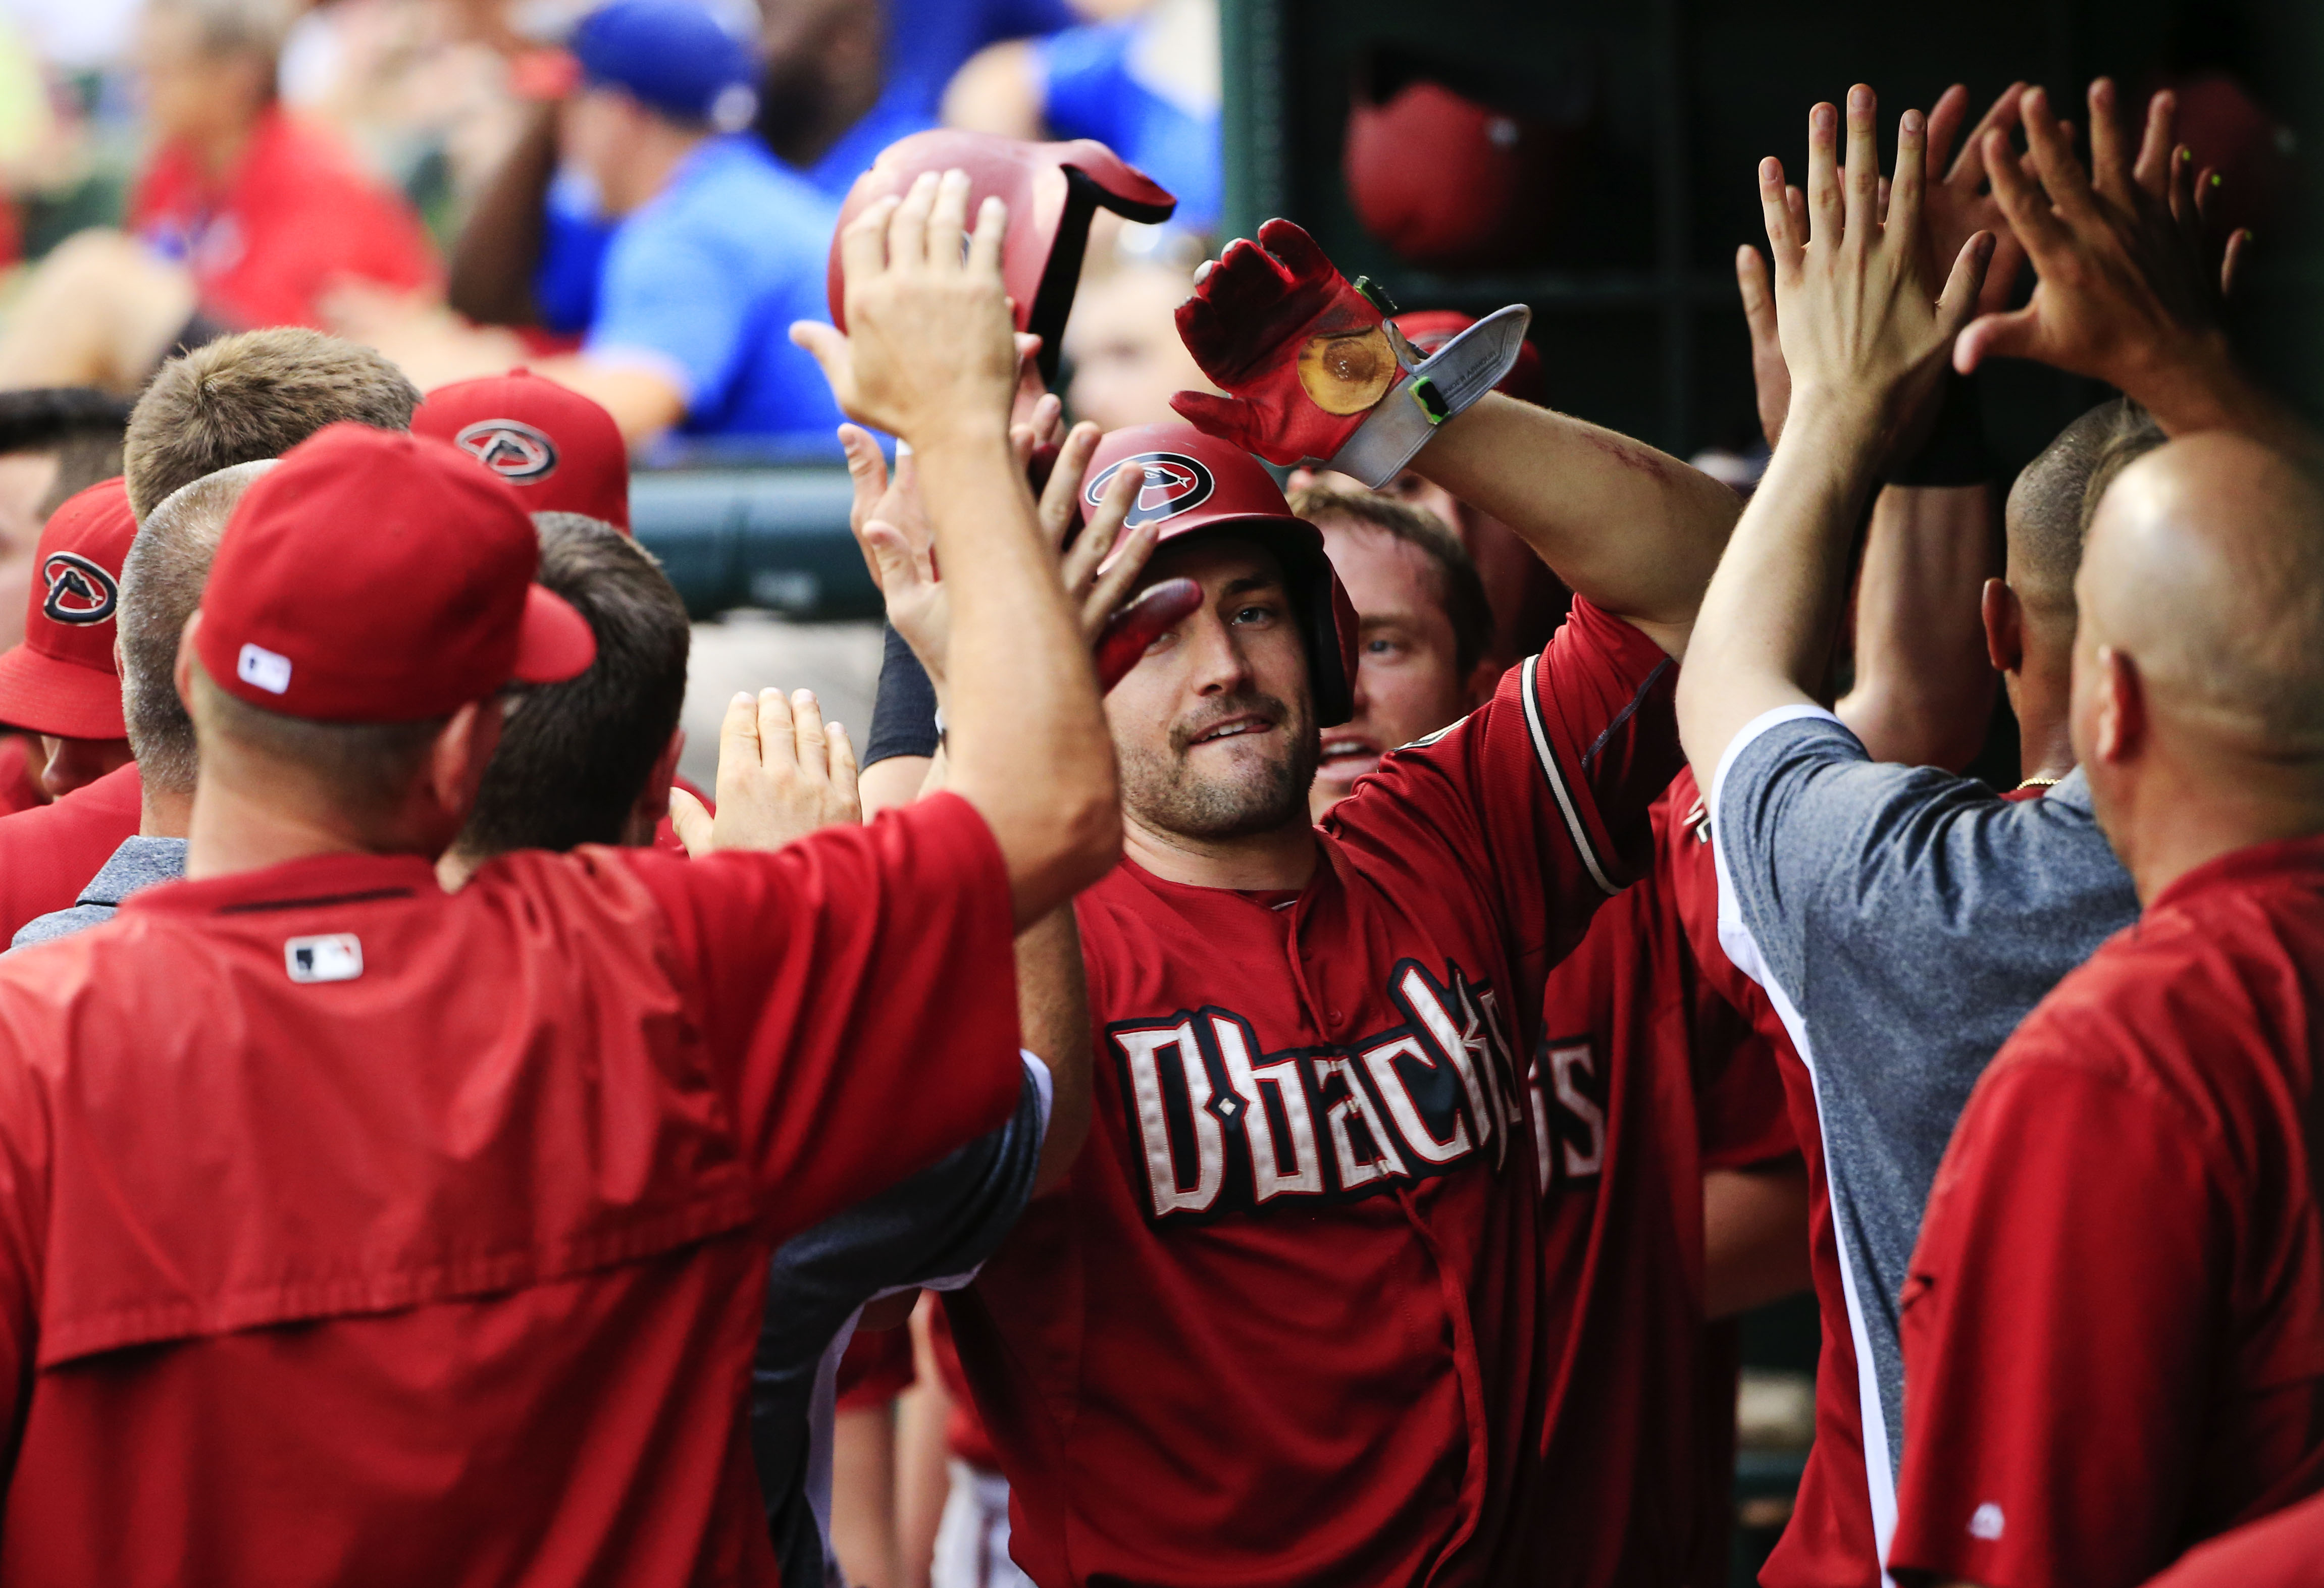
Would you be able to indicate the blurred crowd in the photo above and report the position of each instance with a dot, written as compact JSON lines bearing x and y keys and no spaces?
{"x":637,"y":198}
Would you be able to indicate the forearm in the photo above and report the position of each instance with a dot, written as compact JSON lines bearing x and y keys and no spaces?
{"x":491,"y":278}
{"x":1924,"y":688}
{"x":1634,"y":530}
{"x":1764,"y":638}
{"x":2197,"y":386}
{"x":1755,"y":1237}
{"x":1026,"y":741}
{"x":1054,"y":1020}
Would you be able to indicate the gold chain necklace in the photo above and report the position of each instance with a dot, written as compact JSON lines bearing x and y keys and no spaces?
{"x":2038,"y":782}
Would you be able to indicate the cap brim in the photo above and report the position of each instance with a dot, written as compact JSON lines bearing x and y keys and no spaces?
{"x":41,"y":694}
{"x":555,"y":643}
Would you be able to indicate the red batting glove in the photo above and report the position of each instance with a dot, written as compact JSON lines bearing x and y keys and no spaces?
{"x":1251,"y":316}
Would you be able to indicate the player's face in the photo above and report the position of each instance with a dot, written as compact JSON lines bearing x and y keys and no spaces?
{"x":1214,"y":727}
{"x":1408,"y":681}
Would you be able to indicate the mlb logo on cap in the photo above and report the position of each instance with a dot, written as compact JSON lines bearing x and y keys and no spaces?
{"x":561,"y":450}
{"x":60,"y":681}
{"x":377,"y":576}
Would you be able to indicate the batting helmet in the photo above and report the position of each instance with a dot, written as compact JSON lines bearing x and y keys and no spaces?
{"x":1053,"y":190}
{"x":1197,"y":484}
{"x":1429,"y":329}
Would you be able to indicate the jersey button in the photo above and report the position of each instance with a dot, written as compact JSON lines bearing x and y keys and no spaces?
{"x":1337,"y":1017}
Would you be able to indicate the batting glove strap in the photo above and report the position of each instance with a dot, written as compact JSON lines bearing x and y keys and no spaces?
{"x":1446,"y":384}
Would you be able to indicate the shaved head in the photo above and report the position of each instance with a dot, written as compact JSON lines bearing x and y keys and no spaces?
{"x":2206,"y":568}
{"x":2051,"y":502}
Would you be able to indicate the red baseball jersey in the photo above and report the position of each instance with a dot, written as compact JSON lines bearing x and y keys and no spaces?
{"x":1631,"y":1098}
{"x":1283,"y":1322}
{"x":2285,"y":1550}
{"x":351,"y":1230}
{"x":2114,"y":1324}
{"x":294,"y":218}
{"x":48,"y":855}
{"x":1829,"y":1542}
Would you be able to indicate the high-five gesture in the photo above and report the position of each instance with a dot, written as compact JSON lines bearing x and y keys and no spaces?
{"x":929,"y":341}
{"x":1863,"y":319}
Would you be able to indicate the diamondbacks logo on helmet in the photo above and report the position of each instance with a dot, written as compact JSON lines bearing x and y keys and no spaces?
{"x":79,"y":592}
{"x":511,"y":449}
{"x":1174,"y":483}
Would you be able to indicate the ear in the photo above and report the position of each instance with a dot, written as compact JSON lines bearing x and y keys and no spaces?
{"x":2120,"y":728}
{"x":182,"y":673}
{"x":463,"y":749}
{"x":653,"y":799}
{"x":2004,"y":626}
{"x":1483,"y":679}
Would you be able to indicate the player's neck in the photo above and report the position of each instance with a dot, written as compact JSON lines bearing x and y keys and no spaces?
{"x":164,"y":813}
{"x":1282,"y":859}
{"x":2167,"y":826}
{"x":243,"y":821}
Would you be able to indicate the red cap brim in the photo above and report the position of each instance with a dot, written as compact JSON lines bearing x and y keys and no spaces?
{"x":41,"y":694}
{"x":556,"y":643}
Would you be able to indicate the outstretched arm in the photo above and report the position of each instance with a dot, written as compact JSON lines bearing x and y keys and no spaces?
{"x":1863,"y":336}
{"x":2129,"y":293}
{"x":930,"y":356}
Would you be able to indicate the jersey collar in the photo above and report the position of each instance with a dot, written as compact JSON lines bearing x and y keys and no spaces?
{"x":321,"y":879}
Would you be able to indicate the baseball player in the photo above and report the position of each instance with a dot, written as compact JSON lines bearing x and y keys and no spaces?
{"x":1281,"y":1323}
{"x":2113,"y":1329}
{"x":59,"y":682}
{"x":502,"y":1336}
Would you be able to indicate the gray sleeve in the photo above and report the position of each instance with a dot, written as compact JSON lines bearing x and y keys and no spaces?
{"x":56,"y":924}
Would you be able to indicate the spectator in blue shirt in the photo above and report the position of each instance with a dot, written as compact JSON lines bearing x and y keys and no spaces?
{"x":715,"y":248}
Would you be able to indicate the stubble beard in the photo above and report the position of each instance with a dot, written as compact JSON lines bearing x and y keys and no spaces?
{"x":1164,"y":793}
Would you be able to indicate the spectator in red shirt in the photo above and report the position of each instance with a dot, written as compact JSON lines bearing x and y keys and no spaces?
{"x":243,"y":217}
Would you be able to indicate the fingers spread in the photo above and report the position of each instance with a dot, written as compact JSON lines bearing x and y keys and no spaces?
{"x":1759,"y":302}
{"x":1823,"y":175}
{"x":1904,"y":191}
{"x":2024,"y":204}
{"x":1968,"y":170}
{"x":1061,"y":498}
{"x":1958,"y":303}
{"x":2153,"y":172}
{"x":1303,"y":261}
{"x":1119,"y":576}
{"x":1945,"y":118}
{"x":864,"y":246}
{"x":2050,"y":150}
{"x":1863,"y":180}
{"x":2110,"y":160}
{"x":907,"y":227}
{"x":1776,"y":213}
{"x":984,"y":244}
{"x":843,"y":770}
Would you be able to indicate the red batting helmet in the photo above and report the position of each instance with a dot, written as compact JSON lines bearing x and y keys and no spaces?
{"x":560,"y":449}
{"x":1052,"y":191}
{"x":1200,"y":485}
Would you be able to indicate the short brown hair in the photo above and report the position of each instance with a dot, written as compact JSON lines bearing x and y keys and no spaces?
{"x":1460,"y":588}
{"x":574,"y":756}
{"x":2055,"y":496}
{"x":161,"y":583}
{"x":255,"y":395}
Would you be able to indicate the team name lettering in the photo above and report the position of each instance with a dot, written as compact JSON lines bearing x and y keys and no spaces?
{"x":1224,"y":1126}
{"x":1565,"y":1091}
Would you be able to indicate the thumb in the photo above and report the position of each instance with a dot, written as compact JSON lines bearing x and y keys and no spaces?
{"x":2009,"y":335}
{"x":691,"y":822}
{"x":1226,"y":417}
{"x":827,"y":345}
{"x":891,"y":556}
{"x":1958,"y":302}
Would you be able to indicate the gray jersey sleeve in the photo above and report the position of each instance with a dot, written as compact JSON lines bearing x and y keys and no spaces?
{"x":938,"y":1225}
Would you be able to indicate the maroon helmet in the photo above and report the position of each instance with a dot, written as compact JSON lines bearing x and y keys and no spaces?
{"x":1197,"y":484}
{"x":1429,"y":329}
{"x":1052,"y":191}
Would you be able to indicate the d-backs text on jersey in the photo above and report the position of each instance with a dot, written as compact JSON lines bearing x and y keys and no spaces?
{"x":1224,"y":1127}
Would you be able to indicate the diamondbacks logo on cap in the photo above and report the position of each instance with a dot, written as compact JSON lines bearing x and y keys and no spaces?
{"x":1174,"y":483}
{"x":79,"y":592}
{"x":511,"y":449}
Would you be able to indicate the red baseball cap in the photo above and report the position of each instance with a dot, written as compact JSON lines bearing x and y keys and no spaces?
{"x":61,"y":679}
{"x":1197,"y":484}
{"x":378,"y":576}
{"x":1449,"y":181}
{"x":560,"y":449}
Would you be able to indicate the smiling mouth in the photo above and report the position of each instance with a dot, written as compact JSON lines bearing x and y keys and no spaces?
{"x":1345,"y":757}
{"x":1233,"y":728}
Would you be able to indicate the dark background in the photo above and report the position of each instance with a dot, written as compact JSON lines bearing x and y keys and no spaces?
{"x":1674,"y":101}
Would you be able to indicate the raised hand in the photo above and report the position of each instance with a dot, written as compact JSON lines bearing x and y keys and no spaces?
{"x":782,"y":774}
{"x":1863,"y":322}
{"x":1954,"y":208}
{"x":2124,"y":283}
{"x":1302,"y":354}
{"x":929,"y":342}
